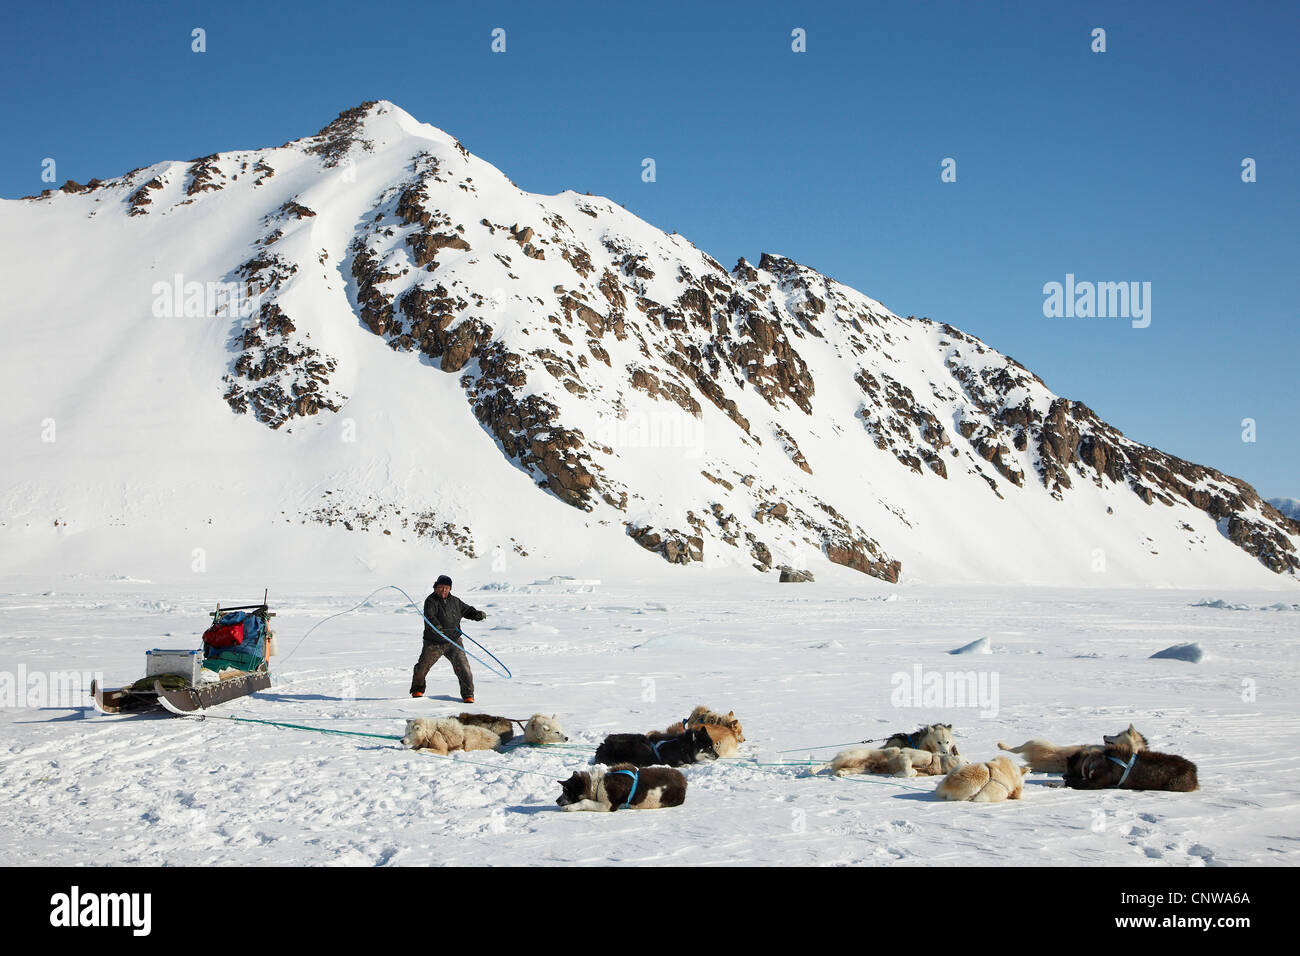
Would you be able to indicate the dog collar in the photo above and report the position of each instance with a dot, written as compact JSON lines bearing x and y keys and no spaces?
{"x":635,"y":775}
{"x":1127,"y":767}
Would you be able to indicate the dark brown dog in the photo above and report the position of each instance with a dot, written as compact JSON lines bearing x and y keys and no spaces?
{"x":500,"y":726}
{"x":694,"y":746}
{"x":1116,"y":767}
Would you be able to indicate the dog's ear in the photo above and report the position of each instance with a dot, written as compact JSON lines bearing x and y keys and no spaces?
{"x":552,"y":716}
{"x":949,"y":726}
{"x":731,"y":713}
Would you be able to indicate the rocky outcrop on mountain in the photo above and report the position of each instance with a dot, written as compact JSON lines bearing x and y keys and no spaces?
{"x":139,"y":199}
{"x":383,"y":517}
{"x":205,"y":175}
{"x":276,"y":375}
{"x":335,"y":140}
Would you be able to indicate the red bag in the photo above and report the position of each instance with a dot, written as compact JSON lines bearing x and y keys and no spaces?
{"x":231,"y":635}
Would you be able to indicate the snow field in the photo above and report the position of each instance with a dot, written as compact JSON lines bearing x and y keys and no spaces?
{"x":802,"y":666}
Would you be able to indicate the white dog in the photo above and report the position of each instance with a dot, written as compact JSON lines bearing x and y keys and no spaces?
{"x":541,"y":729}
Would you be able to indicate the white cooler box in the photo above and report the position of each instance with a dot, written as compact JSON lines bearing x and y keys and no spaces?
{"x":185,"y":663}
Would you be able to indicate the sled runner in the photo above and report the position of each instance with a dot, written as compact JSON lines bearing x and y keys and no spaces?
{"x":232,"y":663}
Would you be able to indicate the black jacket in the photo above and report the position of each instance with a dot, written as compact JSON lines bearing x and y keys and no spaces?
{"x":445,"y":614}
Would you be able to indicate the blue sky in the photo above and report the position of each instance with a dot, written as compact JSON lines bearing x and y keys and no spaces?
{"x":1115,"y":166}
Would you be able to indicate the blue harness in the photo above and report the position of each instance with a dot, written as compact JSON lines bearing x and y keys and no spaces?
{"x":635,"y":775}
{"x":1127,"y":767}
{"x":654,"y":745}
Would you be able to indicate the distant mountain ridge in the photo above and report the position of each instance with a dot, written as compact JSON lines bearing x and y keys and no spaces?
{"x":1287,"y":506}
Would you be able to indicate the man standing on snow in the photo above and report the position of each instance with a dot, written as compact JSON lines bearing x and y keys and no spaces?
{"x":445,"y":612}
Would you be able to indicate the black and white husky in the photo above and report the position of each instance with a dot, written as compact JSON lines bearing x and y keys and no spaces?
{"x":694,"y":746}
{"x":623,"y":787}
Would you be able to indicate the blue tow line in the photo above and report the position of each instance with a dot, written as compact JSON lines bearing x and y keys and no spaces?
{"x":503,"y":672}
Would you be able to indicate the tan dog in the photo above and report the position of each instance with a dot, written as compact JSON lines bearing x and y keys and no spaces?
{"x":442,"y":735}
{"x":998,"y":779}
{"x":726,"y":740}
{"x":894,"y":761}
{"x":1044,"y":757}
{"x":724,"y":729}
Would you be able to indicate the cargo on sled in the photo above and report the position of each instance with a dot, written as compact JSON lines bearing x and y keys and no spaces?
{"x":232,"y":662}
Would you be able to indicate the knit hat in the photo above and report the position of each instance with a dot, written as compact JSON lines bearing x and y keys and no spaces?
{"x":442,"y":579}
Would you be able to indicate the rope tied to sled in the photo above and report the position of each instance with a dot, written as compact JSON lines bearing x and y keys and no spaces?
{"x":357,"y":733}
{"x":281,"y":723}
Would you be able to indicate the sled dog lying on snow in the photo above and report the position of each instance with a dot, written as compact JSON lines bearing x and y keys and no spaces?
{"x":622,"y":787}
{"x":1115,"y":767}
{"x":442,"y":735}
{"x":724,"y":729}
{"x":1044,"y":757}
{"x":896,"y":761}
{"x":702,"y":715}
{"x":694,"y":746}
{"x":501,"y":726}
{"x":541,"y":729}
{"x":936,"y":738}
{"x":999,"y":779}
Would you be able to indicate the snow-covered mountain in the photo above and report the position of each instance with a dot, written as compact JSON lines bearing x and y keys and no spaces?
{"x":373,"y":331}
{"x":1287,"y":506}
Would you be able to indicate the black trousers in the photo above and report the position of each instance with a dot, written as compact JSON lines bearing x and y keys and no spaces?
{"x":434,"y":652}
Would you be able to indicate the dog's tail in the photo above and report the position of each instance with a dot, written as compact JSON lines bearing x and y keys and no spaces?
{"x":819,"y":768}
{"x":1014,"y":750}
